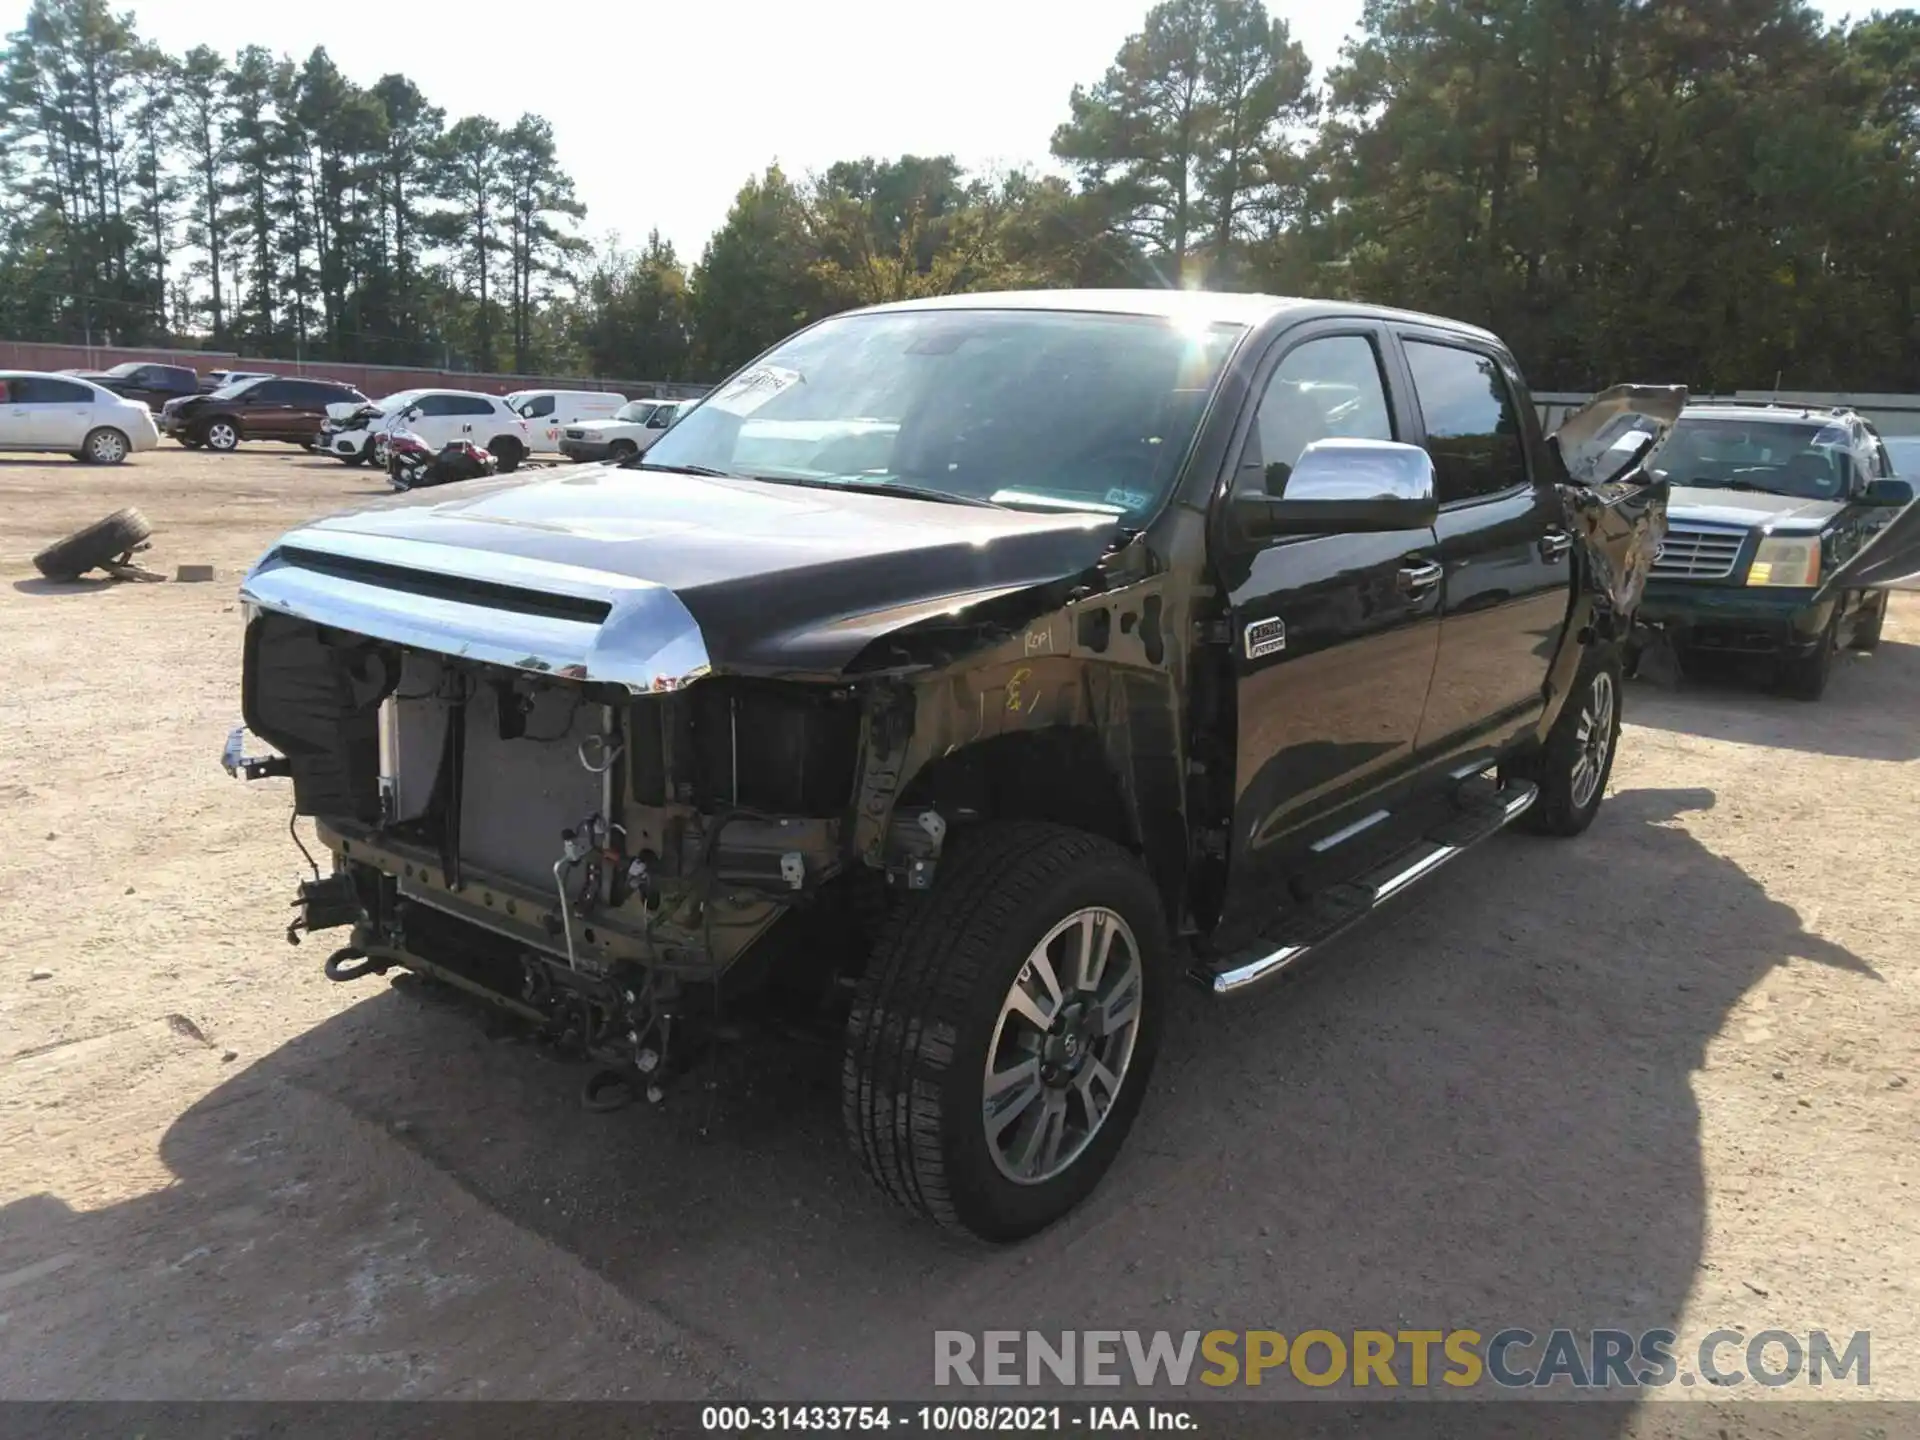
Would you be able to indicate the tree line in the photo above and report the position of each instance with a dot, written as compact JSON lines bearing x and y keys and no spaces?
{"x":1719,"y":193}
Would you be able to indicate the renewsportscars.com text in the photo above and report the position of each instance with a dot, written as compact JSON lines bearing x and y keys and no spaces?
{"x":1510,"y":1358}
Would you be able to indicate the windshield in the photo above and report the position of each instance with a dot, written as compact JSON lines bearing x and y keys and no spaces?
{"x":1811,"y":461}
{"x":1031,"y":408}
{"x":638,"y":411}
{"x":125,"y":368}
{"x":233,"y":388}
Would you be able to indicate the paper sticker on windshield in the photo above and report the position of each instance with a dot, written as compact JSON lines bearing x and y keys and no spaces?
{"x":1131,"y":499}
{"x":750,"y":391}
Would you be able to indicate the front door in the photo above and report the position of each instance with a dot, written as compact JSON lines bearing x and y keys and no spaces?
{"x":1334,"y":636}
{"x":1504,"y":543}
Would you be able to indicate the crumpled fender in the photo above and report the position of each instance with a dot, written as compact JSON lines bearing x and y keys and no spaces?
{"x":1620,"y":526}
{"x":1615,"y":507}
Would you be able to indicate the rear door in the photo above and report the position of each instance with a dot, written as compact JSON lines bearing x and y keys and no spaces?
{"x":1334,"y":636}
{"x":53,"y":414}
{"x":264,"y":410}
{"x":1507,"y":553}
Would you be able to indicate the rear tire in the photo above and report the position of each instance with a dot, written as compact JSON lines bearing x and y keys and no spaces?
{"x":105,"y":446}
{"x":100,"y":542}
{"x":1573,"y":766}
{"x":507,"y":454}
{"x":955,"y":988}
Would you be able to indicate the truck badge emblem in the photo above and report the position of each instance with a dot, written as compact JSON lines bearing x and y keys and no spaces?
{"x":1266,"y":637}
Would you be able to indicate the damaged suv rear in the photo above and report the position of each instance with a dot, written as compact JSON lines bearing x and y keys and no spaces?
{"x":942,"y":674}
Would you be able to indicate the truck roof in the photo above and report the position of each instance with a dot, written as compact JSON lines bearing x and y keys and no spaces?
{"x":1217,"y":306}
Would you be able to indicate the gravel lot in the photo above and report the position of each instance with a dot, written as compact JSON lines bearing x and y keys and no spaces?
{"x":1661,"y":1076}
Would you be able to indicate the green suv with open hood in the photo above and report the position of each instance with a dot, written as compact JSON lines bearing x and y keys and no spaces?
{"x":1770,"y":516}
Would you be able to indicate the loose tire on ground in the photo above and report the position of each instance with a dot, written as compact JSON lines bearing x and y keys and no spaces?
{"x":1573,"y":766}
{"x":932,"y":1008}
{"x":100,"y":542}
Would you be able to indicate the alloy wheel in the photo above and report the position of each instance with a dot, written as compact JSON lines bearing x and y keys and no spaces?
{"x":1593,"y":738}
{"x":1062,"y":1045}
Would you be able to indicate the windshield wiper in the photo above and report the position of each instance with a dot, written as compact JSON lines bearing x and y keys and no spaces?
{"x":888,"y":487}
{"x":705,"y":472}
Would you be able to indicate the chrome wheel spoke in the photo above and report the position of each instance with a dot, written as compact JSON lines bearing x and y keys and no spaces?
{"x":1096,"y":945}
{"x":1096,"y":1074}
{"x":1027,"y":1072}
{"x":1001,"y":1117}
{"x":1020,"y":1003}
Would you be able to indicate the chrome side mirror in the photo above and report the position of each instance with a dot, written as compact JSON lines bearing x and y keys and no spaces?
{"x":1347,"y":485}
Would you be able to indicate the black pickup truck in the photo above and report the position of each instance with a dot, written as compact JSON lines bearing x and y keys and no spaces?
{"x":151,"y":384}
{"x":962,"y":672}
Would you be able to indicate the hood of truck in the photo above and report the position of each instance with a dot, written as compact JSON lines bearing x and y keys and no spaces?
{"x":1714,"y":505}
{"x":600,"y":573}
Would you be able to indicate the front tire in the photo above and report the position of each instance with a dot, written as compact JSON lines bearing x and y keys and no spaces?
{"x":222,"y":436}
{"x":1573,"y":766}
{"x":1004,"y":1032}
{"x":1805,"y":677}
{"x":358,"y":457}
{"x":621,"y":451}
{"x":1866,"y":634}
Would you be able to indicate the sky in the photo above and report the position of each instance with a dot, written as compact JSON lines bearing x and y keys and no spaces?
{"x":660,"y":113}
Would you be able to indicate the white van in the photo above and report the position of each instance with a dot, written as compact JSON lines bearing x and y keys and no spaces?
{"x":548,"y":412}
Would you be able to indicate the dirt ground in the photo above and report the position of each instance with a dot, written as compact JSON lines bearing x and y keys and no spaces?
{"x":1664,"y":1075}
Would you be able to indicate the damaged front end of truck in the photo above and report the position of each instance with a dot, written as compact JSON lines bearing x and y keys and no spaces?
{"x":626,"y":811}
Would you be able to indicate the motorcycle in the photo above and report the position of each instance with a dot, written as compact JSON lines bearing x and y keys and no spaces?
{"x":412,"y":464}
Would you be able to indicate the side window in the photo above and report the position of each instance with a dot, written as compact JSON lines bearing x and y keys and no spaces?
{"x":1324,"y":389}
{"x":1473,"y":429}
{"x":434,"y":404}
{"x":44,"y":390}
{"x":540,"y":405}
{"x":271,"y":392}
{"x":660,"y":419}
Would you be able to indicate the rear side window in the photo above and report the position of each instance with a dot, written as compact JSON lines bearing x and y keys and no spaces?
{"x":44,"y":390}
{"x":468,"y":405}
{"x":1325,"y":389}
{"x":1473,"y":426}
{"x":271,"y":392}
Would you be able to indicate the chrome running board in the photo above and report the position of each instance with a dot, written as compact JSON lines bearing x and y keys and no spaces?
{"x":1343,"y":906}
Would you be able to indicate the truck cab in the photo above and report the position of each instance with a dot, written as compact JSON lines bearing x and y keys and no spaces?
{"x":966,"y":671}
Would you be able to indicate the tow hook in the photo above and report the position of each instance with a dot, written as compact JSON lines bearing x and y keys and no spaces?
{"x":242,"y":766}
{"x":351,"y":963}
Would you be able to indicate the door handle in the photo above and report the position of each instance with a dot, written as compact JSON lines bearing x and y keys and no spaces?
{"x":1554,"y":544}
{"x":1416,"y":580}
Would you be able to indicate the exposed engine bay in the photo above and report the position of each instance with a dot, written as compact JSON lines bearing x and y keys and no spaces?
{"x":578,"y":853}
